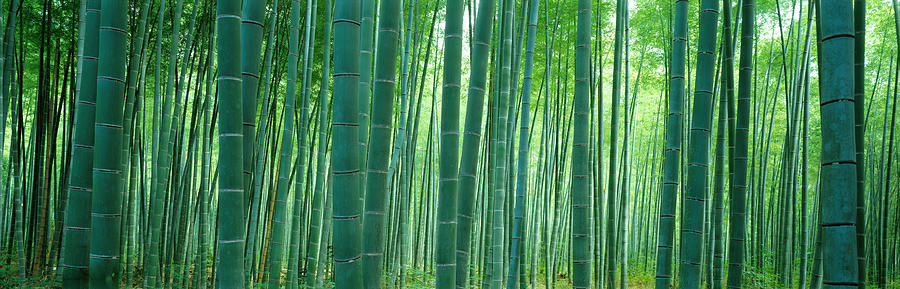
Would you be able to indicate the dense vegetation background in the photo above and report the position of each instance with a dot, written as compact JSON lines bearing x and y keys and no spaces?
{"x":429,"y":143}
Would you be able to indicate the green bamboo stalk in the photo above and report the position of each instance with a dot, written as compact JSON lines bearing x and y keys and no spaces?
{"x":500,"y":177}
{"x":75,"y":259}
{"x":611,"y":214}
{"x":512,"y":117}
{"x":186,"y":209}
{"x":287,"y":148}
{"x":597,"y":93}
{"x":718,"y":201}
{"x":548,"y":146}
{"x":152,"y":276}
{"x":726,"y":96}
{"x":263,"y":120}
{"x":4,"y":74}
{"x":401,"y":136}
{"x":492,"y":161}
{"x":804,"y":220}
{"x":309,"y":31}
{"x":399,"y":143}
{"x":167,"y":135}
{"x":859,"y":93}
{"x":345,"y":146}
{"x":178,"y":150}
{"x":14,"y":177}
{"x":897,"y":28}
{"x":37,"y":185}
{"x":107,"y":172}
{"x":581,"y":194}
{"x":887,"y":181}
{"x":7,"y":59}
{"x":671,"y":164}
{"x":471,"y":139}
{"x":737,"y":219}
{"x":205,"y":197}
{"x":816,"y":280}
{"x":839,"y":162}
{"x":316,"y":234}
{"x":449,"y":148}
{"x":134,"y":72}
{"x":230,"y":255}
{"x":252,"y":17}
{"x":524,"y":142}
{"x":15,"y":171}
{"x":409,"y":151}
{"x":388,"y":37}
{"x":327,"y":234}
{"x":367,"y":18}
{"x":694,"y":200}
{"x":624,"y":186}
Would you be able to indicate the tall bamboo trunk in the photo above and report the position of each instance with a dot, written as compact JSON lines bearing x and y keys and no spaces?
{"x":581,"y":196}
{"x":345,"y":146}
{"x":516,"y":248}
{"x":107,"y":194}
{"x":77,"y":230}
{"x":232,"y":205}
{"x":694,"y":201}
{"x":276,"y":246}
{"x":471,"y":139}
{"x":388,"y":37}
{"x":671,"y":166}
{"x":838,"y":170}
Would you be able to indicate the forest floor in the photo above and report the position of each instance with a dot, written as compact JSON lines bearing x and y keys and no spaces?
{"x":9,"y":278}
{"x":636,"y":280}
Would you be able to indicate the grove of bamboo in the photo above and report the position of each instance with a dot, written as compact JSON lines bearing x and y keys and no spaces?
{"x":449,"y":144}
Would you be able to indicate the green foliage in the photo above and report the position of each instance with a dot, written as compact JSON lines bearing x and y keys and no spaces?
{"x":9,"y":276}
{"x":761,"y":277}
{"x":420,"y":279}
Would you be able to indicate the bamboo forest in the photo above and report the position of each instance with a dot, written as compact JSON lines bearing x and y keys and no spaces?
{"x":449,"y":144}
